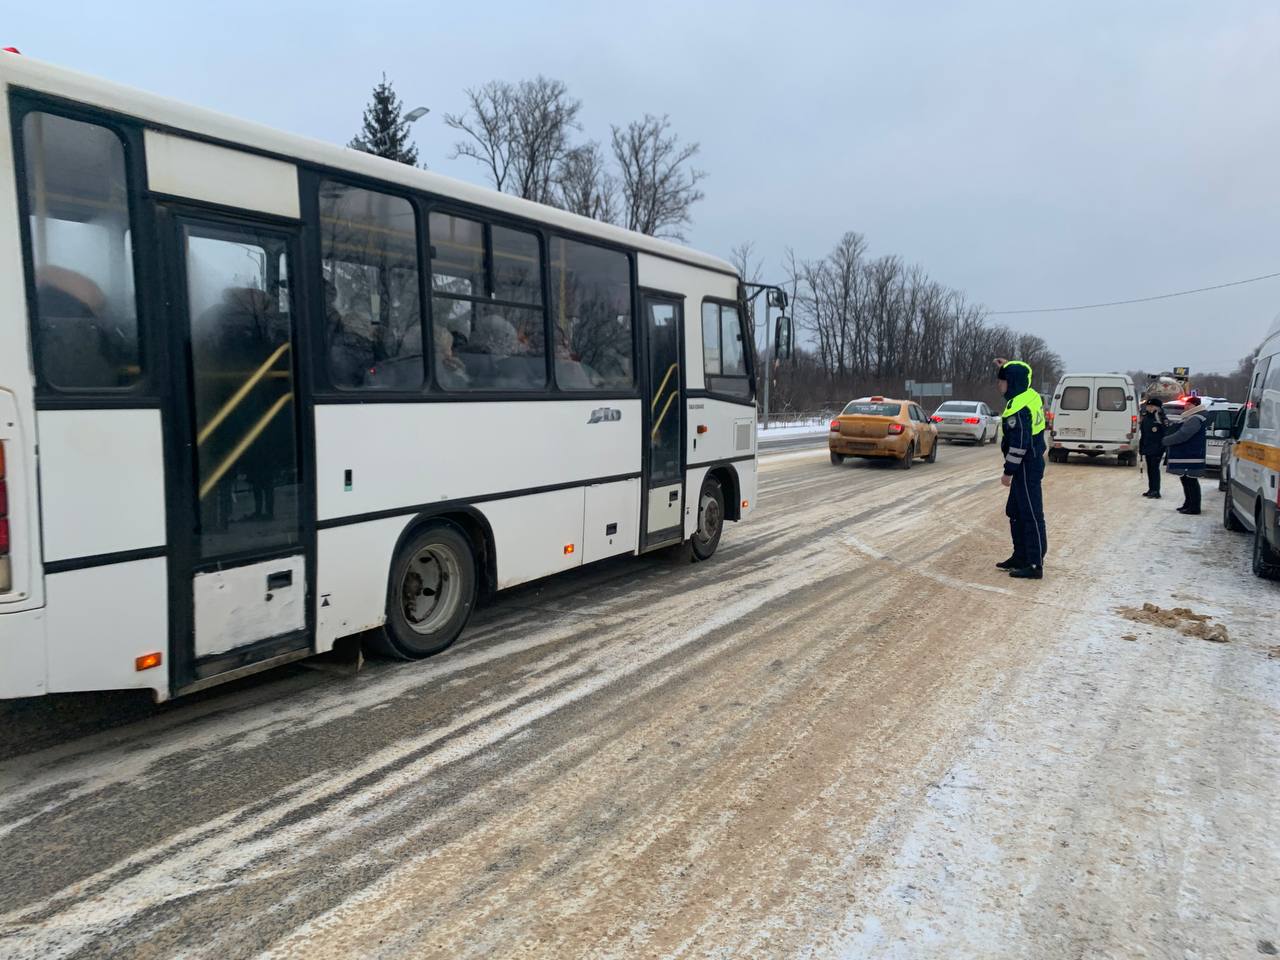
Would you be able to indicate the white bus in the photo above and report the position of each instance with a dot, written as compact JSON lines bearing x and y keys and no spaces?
{"x":260,"y":393}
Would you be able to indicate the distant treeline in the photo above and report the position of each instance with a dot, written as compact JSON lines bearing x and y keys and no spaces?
{"x":869,"y":325}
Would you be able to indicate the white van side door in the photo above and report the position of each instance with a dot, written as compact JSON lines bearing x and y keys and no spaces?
{"x":1112,"y":418}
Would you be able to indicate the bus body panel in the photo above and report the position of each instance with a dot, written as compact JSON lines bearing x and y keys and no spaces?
{"x":353,"y":563}
{"x":181,"y":167}
{"x":730,"y":430}
{"x":536,"y":536}
{"x":101,"y":619}
{"x":611,"y":520}
{"x":405,"y":454}
{"x":101,"y":482}
{"x":23,"y":657}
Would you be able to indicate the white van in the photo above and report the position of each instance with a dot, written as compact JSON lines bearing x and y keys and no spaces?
{"x":1252,"y":474}
{"x":1095,"y":414}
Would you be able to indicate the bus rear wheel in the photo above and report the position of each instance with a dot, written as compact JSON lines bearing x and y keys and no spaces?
{"x":710,"y":520}
{"x":431,"y":593}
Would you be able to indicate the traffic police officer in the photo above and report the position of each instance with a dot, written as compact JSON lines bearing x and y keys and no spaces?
{"x":1022,"y":442}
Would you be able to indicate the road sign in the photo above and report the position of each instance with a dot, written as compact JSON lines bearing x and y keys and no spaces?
{"x":928,"y":389}
{"x":1182,"y":371}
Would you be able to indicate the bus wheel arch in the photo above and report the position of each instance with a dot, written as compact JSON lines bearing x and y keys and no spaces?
{"x":727,"y":477}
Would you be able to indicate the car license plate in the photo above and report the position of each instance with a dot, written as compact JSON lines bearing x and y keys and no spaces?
{"x":951,"y":420}
{"x":1072,"y":431}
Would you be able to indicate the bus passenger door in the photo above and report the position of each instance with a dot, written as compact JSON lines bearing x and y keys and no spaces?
{"x":662,"y":507}
{"x":239,"y":561}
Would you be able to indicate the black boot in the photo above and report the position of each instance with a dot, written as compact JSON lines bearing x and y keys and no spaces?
{"x":1013,"y":563}
{"x":1028,"y":573}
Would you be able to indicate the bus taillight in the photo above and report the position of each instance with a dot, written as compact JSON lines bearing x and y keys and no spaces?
{"x":6,"y":577}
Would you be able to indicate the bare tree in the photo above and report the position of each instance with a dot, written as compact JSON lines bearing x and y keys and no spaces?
{"x":519,"y":132}
{"x":489,"y":124}
{"x":543,"y":118}
{"x":585,"y":186}
{"x":659,"y":185}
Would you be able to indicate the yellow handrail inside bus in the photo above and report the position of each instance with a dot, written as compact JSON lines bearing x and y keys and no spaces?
{"x":657,"y":395}
{"x":662,"y":416}
{"x":238,"y":397}
{"x":245,"y":442}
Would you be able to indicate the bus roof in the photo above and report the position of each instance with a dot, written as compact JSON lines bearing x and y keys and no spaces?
{"x":177,"y":117}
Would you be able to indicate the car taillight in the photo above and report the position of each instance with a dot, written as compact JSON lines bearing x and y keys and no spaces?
{"x":895,"y":428}
{"x":972,"y":420}
{"x":937,"y":419}
{"x":835,"y":424}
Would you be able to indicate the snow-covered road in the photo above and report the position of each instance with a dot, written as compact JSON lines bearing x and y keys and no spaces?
{"x":848,"y":735}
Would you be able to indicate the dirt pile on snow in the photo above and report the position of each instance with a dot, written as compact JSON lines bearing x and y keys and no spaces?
{"x":1183,"y":619}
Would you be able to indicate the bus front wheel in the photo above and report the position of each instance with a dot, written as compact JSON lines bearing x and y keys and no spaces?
{"x":431,"y":593}
{"x":710,"y":519}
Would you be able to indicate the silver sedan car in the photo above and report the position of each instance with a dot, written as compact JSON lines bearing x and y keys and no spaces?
{"x":970,"y":420}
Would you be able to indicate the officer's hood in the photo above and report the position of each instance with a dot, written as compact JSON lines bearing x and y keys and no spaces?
{"x":1018,"y":378}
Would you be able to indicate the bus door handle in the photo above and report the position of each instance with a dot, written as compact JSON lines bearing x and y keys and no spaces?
{"x":675,"y":495}
{"x":279,"y":580}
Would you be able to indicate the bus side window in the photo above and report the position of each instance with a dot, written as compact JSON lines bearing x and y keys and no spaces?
{"x":369,"y":258}
{"x":85,"y":316}
{"x":486,"y":304}
{"x":591,"y":317}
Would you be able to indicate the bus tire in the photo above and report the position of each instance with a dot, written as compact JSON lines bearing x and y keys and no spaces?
{"x":430,"y":595}
{"x":706,"y":536}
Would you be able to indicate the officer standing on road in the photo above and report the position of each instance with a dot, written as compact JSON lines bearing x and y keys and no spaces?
{"x":1151,"y":446}
{"x":1022,"y":442}
{"x":1187,"y":454}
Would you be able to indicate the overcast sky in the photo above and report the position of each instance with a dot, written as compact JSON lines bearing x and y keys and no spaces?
{"x":1028,"y":154}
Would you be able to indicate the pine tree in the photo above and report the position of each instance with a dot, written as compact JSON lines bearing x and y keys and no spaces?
{"x":384,"y":132}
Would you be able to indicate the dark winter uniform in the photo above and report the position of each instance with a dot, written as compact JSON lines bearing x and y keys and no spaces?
{"x":1022,"y":442}
{"x":1151,"y":446}
{"x":1187,"y":455}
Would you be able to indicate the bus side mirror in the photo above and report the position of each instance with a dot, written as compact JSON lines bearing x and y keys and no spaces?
{"x":782,"y":336}
{"x":777,"y":298}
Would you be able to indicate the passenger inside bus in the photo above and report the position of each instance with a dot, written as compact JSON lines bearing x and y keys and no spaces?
{"x":79,"y":346}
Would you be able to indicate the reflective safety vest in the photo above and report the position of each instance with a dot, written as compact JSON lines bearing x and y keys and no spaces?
{"x":1030,"y":400}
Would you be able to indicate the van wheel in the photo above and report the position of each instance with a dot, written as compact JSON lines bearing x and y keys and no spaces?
{"x":1229,"y":518}
{"x":430,"y":595}
{"x":908,"y":457}
{"x":837,"y":458}
{"x":1265,"y":562}
{"x":710,"y":520}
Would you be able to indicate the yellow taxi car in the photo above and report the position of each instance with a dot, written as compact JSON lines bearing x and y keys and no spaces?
{"x":882,"y":428}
